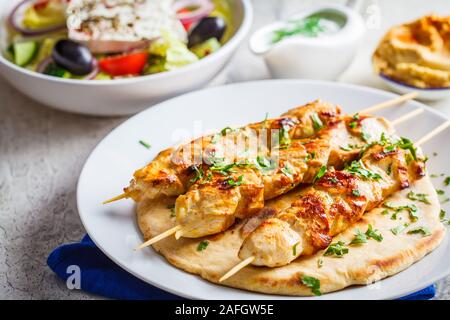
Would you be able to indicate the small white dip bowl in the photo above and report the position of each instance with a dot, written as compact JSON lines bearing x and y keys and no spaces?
{"x":324,"y":57}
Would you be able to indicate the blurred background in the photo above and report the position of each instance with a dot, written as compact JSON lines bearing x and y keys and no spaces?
{"x":42,"y":151}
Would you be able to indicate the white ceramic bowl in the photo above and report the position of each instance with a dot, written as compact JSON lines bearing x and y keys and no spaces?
{"x":321,"y":58}
{"x":431,"y":94}
{"x":122,"y":96}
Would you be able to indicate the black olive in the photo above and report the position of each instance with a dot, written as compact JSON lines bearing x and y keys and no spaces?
{"x":207,"y":28}
{"x":74,"y":57}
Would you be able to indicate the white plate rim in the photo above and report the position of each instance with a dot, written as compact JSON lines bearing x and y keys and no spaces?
{"x":187,"y":295}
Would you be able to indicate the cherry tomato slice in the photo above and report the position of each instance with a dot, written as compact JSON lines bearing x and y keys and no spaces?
{"x":121,"y":65}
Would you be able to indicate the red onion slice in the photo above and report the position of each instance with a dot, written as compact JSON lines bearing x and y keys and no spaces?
{"x":94,"y":72}
{"x":91,"y":76}
{"x":43,"y":65}
{"x":204,"y":7}
{"x":17,"y":14}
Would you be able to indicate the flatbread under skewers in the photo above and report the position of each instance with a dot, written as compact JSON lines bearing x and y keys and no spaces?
{"x":364,"y":264}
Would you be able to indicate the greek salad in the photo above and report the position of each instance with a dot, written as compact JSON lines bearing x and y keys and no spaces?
{"x":109,"y":39}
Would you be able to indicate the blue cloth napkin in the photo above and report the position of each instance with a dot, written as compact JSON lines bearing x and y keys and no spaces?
{"x":99,"y":275}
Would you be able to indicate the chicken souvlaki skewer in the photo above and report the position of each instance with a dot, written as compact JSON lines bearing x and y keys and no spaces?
{"x":214,"y":202}
{"x":173,"y":171}
{"x":336,"y":201}
{"x":239,"y":190}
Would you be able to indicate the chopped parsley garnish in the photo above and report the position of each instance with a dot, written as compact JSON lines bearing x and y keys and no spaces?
{"x":207,"y":179}
{"x":385,"y":212}
{"x":365,"y":135}
{"x":294,"y":249}
{"x":399,"y":229}
{"x":357,"y":168}
{"x":171,"y":207}
{"x":356,"y":192}
{"x":447,"y":181}
{"x":198,"y":174}
{"x":312,"y":283}
{"x":309,"y":27}
{"x":333,"y":180}
{"x":202,"y":245}
{"x":411,"y":208}
{"x":285,"y":139}
{"x":407,"y":144}
{"x":337,"y":249}
{"x":349,"y":147}
{"x":226,"y":130}
{"x":145,"y":144}
{"x":353,"y":124}
{"x":320,"y":174}
{"x":442,"y":217}
{"x":215,"y":138}
{"x":317,"y":123}
{"x":423,"y":230}
{"x":287,"y":171}
{"x":389,"y":169}
{"x":359,"y":238}
{"x":235,"y":183}
{"x":223,"y":169}
{"x":319,"y":263}
{"x":440,"y":192}
{"x":370,"y":233}
{"x":264,"y":164}
{"x":422,"y":197}
{"x":390,"y":148}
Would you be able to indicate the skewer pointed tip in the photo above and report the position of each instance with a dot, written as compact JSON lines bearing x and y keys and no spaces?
{"x":159,"y":237}
{"x":117,"y":198}
{"x":237,"y":268}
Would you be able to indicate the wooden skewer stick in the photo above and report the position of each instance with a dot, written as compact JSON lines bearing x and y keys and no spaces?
{"x":178,"y":229}
{"x":407,"y":116}
{"x":159,"y":237}
{"x":391,"y":103}
{"x":237,"y":268}
{"x":117,"y":198}
{"x":249,"y":260}
{"x":433,"y":133}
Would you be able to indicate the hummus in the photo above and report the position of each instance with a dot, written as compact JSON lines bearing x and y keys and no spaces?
{"x":416,"y":53}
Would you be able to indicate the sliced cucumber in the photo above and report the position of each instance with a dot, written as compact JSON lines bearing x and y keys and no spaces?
{"x":24,"y":52}
{"x":203,"y":49}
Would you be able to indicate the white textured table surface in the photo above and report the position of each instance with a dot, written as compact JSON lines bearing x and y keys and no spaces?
{"x":42,"y":152}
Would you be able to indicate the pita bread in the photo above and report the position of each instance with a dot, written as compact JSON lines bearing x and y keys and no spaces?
{"x":364,"y":264}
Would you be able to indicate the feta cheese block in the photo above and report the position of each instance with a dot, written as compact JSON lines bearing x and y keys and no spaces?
{"x":108,"y":26}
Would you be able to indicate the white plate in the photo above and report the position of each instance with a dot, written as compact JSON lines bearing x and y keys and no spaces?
{"x":112,"y":163}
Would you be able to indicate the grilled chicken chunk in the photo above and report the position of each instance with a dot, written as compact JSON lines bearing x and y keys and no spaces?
{"x":213,"y":203}
{"x":240,"y":191}
{"x":331,"y":205}
{"x":173,"y":171}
